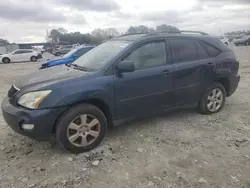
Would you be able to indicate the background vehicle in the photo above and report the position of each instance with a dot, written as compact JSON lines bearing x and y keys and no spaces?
{"x":245,"y":40}
{"x":128,"y":77}
{"x":21,"y":55}
{"x":62,"y":50}
{"x":67,"y":58}
{"x":224,"y":40}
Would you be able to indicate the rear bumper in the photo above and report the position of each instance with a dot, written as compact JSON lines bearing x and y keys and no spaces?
{"x":43,"y":120}
{"x":234,"y":82}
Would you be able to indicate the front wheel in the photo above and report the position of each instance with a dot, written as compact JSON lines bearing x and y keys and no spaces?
{"x":82,"y":128}
{"x":6,"y":60}
{"x":213,"y":99}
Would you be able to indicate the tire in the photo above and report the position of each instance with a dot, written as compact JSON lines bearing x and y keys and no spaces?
{"x":33,"y":58}
{"x":71,"y":125}
{"x":6,"y":60}
{"x":207,"y":99}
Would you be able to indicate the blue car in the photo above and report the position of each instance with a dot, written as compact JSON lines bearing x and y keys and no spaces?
{"x":67,"y":58}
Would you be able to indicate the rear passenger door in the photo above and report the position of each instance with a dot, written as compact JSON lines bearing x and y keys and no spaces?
{"x":194,"y":69}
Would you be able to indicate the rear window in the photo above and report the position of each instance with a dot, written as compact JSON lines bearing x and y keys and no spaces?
{"x":212,"y":51}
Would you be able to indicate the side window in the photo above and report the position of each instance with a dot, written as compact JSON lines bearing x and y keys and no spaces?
{"x":27,"y":51}
{"x":148,"y":55}
{"x":80,"y":52}
{"x":19,"y":52}
{"x":183,"y":50}
{"x":201,"y":51}
{"x":212,"y":51}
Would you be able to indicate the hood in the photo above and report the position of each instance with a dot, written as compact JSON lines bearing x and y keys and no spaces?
{"x":56,"y":61}
{"x":49,"y":76}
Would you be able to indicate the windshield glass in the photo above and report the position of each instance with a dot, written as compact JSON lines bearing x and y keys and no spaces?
{"x":71,"y":52}
{"x":96,"y":58}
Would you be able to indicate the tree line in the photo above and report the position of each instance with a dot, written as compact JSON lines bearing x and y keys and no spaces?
{"x":97,"y":36}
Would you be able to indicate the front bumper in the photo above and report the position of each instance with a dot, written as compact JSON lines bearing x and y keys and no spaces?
{"x":43,"y":120}
{"x":234,"y":82}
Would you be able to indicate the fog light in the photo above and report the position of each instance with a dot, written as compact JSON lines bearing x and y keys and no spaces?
{"x":27,"y":126}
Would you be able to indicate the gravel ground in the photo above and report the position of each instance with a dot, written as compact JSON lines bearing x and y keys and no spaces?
{"x":179,"y":149}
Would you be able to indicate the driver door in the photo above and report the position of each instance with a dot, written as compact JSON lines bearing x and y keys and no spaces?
{"x":17,"y":56}
{"x":149,"y":88}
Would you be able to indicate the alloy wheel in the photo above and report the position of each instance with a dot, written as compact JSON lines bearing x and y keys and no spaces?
{"x":83,"y":130}
{"x":214,"y":100}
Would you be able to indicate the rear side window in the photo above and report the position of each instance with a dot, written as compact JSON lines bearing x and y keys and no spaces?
{"x":183,"y":50}
{"x":27,"y":51}
{"x":202,"y":54}
{"x":212,"y":51}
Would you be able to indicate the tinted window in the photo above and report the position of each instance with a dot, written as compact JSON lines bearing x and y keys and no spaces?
{"x":212,"y":51}
{"x":201,"y":51}
{"x":183,"y":50}
{"x":149,"y":55}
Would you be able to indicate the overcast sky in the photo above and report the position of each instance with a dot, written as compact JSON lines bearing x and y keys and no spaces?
{"x":27,"y":21}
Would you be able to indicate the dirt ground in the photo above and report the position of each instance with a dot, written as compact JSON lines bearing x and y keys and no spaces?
{"x":179,"y":149}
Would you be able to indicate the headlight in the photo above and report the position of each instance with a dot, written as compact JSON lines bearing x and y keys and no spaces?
{"x":33,"y":99}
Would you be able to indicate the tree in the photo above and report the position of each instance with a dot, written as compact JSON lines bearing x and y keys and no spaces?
{"x":139,"y":29}
{"x":54,"y":35}
{"x":111,"y":32}
{"x":62,"y":30}
{"x":164,"y":27}
{"x":3,"y":41}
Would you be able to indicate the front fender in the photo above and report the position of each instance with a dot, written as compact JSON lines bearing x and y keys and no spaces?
{"x":78,"y":90}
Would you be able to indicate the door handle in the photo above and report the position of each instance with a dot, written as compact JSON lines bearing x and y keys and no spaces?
{"x":210,"y":63}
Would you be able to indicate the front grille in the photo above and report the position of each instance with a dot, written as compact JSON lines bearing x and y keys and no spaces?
{"x":12,"y":91}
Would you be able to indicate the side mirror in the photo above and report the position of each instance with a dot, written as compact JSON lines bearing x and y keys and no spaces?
{"x":125,"y":66}
{"x":75,"y":56}
{"x":13,"y":53}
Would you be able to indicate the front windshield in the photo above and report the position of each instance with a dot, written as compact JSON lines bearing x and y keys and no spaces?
{"x":71,"y":52}
{"x":96,"y":58}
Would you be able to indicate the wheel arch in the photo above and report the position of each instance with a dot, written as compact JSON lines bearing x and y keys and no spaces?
{"x":225,"y":82}
{"x":99,"y":103}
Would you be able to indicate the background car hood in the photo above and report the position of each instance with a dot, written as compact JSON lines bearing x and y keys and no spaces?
{"x":49,"y":76}
{"x":54,"y":61}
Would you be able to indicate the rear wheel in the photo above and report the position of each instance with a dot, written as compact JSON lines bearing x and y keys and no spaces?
{"x":213,"y":99}
{"x":82,"y":128}
{"x":33,"y":58}
{"x":6,"y":60}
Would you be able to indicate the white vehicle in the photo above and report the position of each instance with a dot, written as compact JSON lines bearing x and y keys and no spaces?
{"x":224,"y":40}
{"x":20,"y":55}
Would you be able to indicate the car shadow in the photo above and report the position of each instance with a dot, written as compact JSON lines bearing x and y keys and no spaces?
{"x":53,"y":147}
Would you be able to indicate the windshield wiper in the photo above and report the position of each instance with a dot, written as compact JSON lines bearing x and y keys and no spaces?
{"x":78,"y":67}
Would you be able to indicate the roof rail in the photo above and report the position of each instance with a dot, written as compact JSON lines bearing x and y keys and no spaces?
{"x":180,"y":31}
{"x":132,"y":34}
{"x":199,"y":32}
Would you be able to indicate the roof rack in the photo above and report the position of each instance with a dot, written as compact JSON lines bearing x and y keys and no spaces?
{"x":161,"y":32}
{"x":180,"y":31}
{"x":132,"y":34}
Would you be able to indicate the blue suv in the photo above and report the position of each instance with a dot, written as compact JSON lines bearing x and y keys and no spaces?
{"x":70,"y":57}
{"x":128,"y":77}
